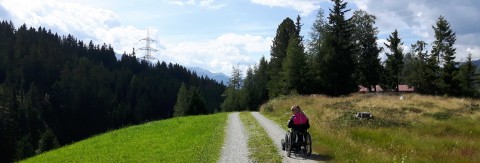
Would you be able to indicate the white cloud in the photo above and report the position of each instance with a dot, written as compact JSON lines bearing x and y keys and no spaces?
{"x":220,"y":54}
{"x":305,"y":7}
{"x":210,"y":4}
{"x":182,"y":2}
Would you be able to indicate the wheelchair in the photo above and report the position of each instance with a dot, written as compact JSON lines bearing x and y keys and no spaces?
{"x":297,"y":141}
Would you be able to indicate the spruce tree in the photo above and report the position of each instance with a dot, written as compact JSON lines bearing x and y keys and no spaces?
{"x":365,"y":36}
{"x":394,"y":62}
{"x":181,"y":106}
{"x":337,"y":56}
{"x":467,"y":78}
{"x":314,"y":58}
{"x":444,"y":52}
{"x":285,"y":31}
{"x":234,"y":100}
{"x":261,"y":79}
{"x":295,"y":67}
{"x":420,"y":75}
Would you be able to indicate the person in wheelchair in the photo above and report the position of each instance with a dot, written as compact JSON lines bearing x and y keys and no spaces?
{"x":298,"y":124}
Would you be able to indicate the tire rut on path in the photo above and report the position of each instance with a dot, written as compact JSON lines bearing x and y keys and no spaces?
{"x":235,"y":148}
{"x":277,"y":134}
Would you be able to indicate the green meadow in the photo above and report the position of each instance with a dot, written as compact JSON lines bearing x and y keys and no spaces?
{"x":184,"y":139}
{"x":416,"y":129}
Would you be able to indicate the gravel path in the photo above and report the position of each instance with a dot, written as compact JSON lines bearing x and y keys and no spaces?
{"x":277,"y":134}
{"x":235,"y":148}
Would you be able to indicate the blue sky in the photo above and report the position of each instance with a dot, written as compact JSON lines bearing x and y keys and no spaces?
{"x":217,"y":35}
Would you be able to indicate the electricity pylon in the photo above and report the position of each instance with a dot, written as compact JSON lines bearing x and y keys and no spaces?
{"x":148,"y":49}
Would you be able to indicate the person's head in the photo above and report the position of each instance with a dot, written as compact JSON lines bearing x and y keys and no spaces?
{"x":295,"y":109}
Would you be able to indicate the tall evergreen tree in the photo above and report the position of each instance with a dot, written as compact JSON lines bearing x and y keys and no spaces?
{"x":260,"y":79}
{"x":444,"y":52}
{"x":337,"y":56}
{"x":467,"y":78}
{"x":295,"y":67}
{"x":419,"y":75}
{"x":234,"y":100}
{"x":285,"y":31}
{"x":196,"y":103}
{"x":394,"y":62}
{"x":181,"y":106}
{"x":365,"y":37}
{"x":249,"y":88}
{"x":315,"y":45}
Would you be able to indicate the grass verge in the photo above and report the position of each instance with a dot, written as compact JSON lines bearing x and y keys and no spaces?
{"x":184,"y":139}
{"x":261,"y":146}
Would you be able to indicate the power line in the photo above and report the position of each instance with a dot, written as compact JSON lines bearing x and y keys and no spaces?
{"x":148,"y":48}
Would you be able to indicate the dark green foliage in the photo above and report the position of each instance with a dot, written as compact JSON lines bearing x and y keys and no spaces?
{"x":394,"y":62}
{"x":55,"y":90}
{"x":295,"y":68}
{"x":416,"y":71}
{"x":181,"y":106}
{"x":443,"y":48}
{"x":365,"y":36}
{"x":235,"y":95}
{"x":47,"y":141}
{"x":337,"y":64}
{"x":285,"y":31}
{"x":314,"y":55}
{"x":466,"y":77}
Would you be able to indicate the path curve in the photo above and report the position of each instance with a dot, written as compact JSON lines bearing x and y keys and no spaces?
{"x":235,"y":148}
{"x":277,"y":134}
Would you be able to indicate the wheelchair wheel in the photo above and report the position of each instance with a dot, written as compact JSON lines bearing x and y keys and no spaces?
{"x":308,"y":145}
{"x":288,"y":144}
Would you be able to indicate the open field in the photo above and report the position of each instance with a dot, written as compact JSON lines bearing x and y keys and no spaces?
{"x":184,"y":139}
{"x":416,"y":129}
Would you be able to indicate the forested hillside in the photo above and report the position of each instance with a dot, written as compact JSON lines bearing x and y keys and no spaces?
{"x":55,"y":90}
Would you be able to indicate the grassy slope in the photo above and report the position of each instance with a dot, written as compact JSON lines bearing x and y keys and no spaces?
{"x":261,"y":146}
{"x":418,"y":129}
{"x":185,"y":139}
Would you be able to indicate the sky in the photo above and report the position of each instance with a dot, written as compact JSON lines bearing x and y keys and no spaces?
{"x":219,"y":34}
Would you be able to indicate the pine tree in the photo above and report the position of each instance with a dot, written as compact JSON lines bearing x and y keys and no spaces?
{"x":182,"y":104}
{"x":234,"y":100}
{"x":295,"y":68}
{"x":444,"y":52}
{"x":261,"y":79}
{"x":314,"y":48}
{"x":394,"y":62}
{"x":419,"y":75}
{"x":337,"y":53}
{"x":286,"y":30}
{"x":365,"y":37}
{"x":467,"y":78}
{"x":48,"y":141}
{"x":196,"y":103}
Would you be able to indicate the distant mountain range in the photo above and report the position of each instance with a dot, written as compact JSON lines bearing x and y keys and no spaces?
{"x":220,"y":77}
{"x":477,"y":63}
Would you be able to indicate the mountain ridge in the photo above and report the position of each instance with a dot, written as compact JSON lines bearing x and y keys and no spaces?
{"x":220,"y":77}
